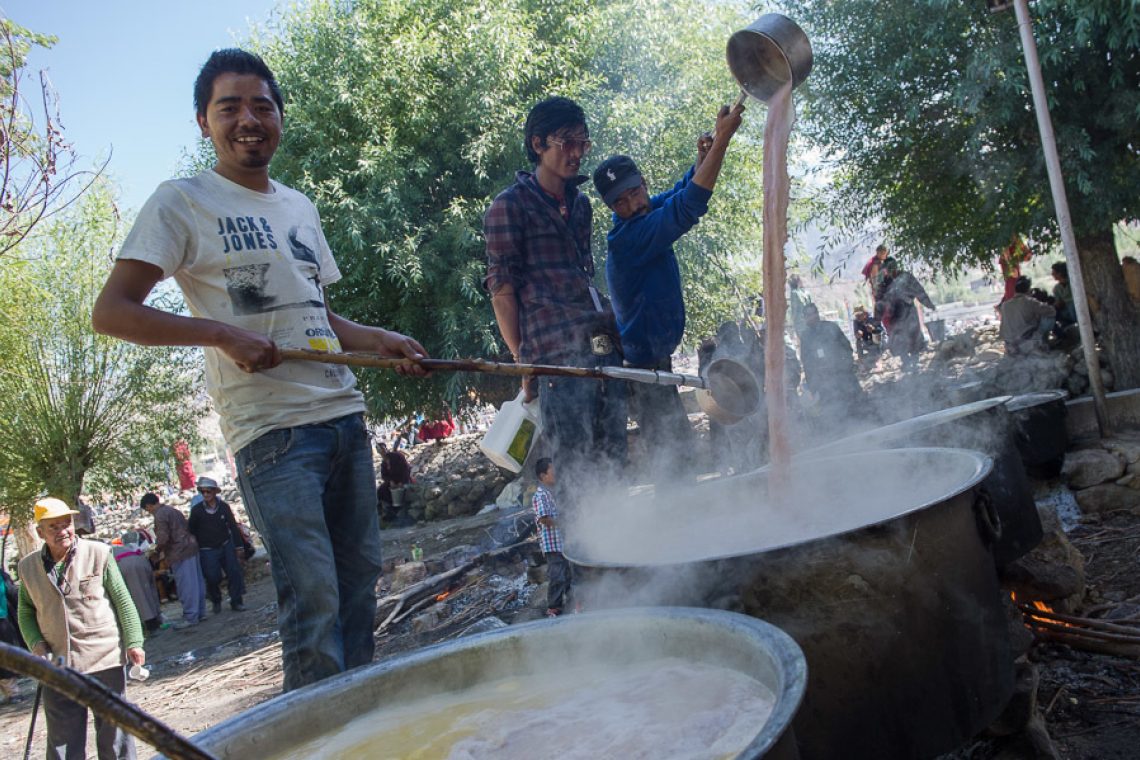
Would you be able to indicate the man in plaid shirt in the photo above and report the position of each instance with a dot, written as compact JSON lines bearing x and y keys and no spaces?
{"x":558,"y":574}
{"x":540,"y":275}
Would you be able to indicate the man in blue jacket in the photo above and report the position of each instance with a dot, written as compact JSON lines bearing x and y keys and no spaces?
{"x":645,"y":281}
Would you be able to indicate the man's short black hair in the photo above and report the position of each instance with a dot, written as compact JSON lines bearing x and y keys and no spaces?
{"x":1022,"y":284}
{"x":550,"y":116}
{"x":147,"y":500}
{"x":1062,"y":269}
{"x":232,"y":61}
{"x":541,"y":466}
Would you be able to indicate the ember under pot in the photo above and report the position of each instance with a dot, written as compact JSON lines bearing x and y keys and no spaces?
{"x":984,"y":426}
{"x":615,"y":639}
{"x":878,"y":565}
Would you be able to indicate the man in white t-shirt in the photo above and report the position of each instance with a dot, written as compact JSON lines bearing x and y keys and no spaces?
{"x":253,"y":263}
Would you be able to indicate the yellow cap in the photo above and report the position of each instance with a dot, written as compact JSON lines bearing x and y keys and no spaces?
{"x":49,"y":508}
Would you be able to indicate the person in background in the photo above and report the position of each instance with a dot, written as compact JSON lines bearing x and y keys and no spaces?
{"x":85,"y":519}
{"x":173,"y":539}
{"x":645,"y":283}
{"x":550,"y":539}
{"x":75,"y":606}
{"x":9,"y":631}
{"x":139,"y":576}
{"x":540,"y":275}
{"x":829,"y":367}
{"x":1009,"y":261}
{"x":900,"y":290}
{"x":1063,"y":295}
{"x":864,"y":328}
{"x":798,"y":301}
{"x":1131,"y":269}
{"x":1024,"y":320}
{"x":395,"y":476}
{"x":871,"y":270}
{"x":213,"y":526}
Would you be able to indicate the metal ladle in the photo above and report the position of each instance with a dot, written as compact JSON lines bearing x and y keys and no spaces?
{"x":729,"y":392}
{"x":767,"y":53}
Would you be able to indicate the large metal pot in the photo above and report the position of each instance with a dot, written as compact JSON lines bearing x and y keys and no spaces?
{"x":878,"y":565}
{"x":984,"y":426}
{"x":743,"y":644}
{"x":1042,"y":434}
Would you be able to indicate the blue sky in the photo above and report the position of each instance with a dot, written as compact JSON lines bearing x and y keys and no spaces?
{"x":124,"y":71}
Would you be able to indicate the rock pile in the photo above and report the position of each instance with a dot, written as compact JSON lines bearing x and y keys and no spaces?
{"x":978,"y":355}
{"x":453,"y":478}
{"x":1105,"y":476}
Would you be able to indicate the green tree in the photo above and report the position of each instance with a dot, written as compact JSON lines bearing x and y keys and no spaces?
{"x":924,"y":109}
{"x":404,"y":120}
{"x":79,"y":410}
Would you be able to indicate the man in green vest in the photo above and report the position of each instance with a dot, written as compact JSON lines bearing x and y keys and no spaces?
{"x":75,"y":606}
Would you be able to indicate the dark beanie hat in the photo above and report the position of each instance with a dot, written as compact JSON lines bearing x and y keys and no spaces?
{"x":614,"y":176}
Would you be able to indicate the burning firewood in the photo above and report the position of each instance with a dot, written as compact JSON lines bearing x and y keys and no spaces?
{"x":388,"y":609}
{"x":1089,"y":634}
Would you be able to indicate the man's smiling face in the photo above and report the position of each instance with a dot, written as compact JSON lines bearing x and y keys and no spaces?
{"x":244,"y":124}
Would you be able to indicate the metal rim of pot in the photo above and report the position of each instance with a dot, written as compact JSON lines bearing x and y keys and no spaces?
{"x":983,"y":467}
{"x":782,"y":648}
{"x":902,"y":429}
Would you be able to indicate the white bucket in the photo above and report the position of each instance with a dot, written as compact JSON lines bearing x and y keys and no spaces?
{"x":513,"y":434}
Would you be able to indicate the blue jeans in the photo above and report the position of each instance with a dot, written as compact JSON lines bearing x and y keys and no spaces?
{"x":311,"y":492}
{"x":222,"y":560}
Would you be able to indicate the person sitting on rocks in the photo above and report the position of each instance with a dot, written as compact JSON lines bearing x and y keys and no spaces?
{"x":1024,"y":320}
{"x":395,"y":476}
{"x":1063,"y":293}
{"x":866,"y":328}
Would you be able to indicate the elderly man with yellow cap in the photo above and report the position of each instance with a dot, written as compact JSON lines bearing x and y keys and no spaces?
{"x":75,"y":606}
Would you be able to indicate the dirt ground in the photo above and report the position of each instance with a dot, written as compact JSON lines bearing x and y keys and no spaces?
{"x":231,"y":661}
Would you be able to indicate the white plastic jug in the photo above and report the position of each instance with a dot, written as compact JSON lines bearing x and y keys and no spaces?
{"x":513,"y":434}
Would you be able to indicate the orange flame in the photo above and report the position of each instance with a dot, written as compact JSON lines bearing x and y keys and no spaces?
{"x":441,"y":597}
{"x":1038,"y":605}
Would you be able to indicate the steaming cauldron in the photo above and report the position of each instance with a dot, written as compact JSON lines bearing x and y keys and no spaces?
{"x":618,"y":638}
{"x":984,"y":426}
{"x":1042,"y":436}
{"x":892,"y":594}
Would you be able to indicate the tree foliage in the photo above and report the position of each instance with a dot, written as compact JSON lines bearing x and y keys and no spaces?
{"x":924,"y":111}
{"x":923,"y":108}
{"x":39,"y":171}
{"x":80,"y":410}
{"x":404,"y":119}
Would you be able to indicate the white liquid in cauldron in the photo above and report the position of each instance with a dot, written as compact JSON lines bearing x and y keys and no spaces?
{"x":658,"y":708}
{"x":735,"y":516}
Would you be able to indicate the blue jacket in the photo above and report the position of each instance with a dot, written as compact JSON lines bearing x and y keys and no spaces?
{"x":643,"y":276}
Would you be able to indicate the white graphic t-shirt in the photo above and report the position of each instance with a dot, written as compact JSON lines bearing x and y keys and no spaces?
{"x":258,"y":261}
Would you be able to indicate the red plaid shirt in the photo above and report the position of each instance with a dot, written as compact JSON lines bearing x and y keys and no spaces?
{"x":548,"y":261}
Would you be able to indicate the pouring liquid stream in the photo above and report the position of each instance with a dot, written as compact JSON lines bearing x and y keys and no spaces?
{"x":777,"y":128}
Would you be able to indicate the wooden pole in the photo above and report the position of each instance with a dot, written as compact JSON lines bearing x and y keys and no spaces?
{"x":1061,"y":207}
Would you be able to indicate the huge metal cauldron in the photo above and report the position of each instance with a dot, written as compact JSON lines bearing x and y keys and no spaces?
{"x":985,"y":426}
{"x":878,"y":565}
{"x":618,"y":637}
{"x":1042,"y":438}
